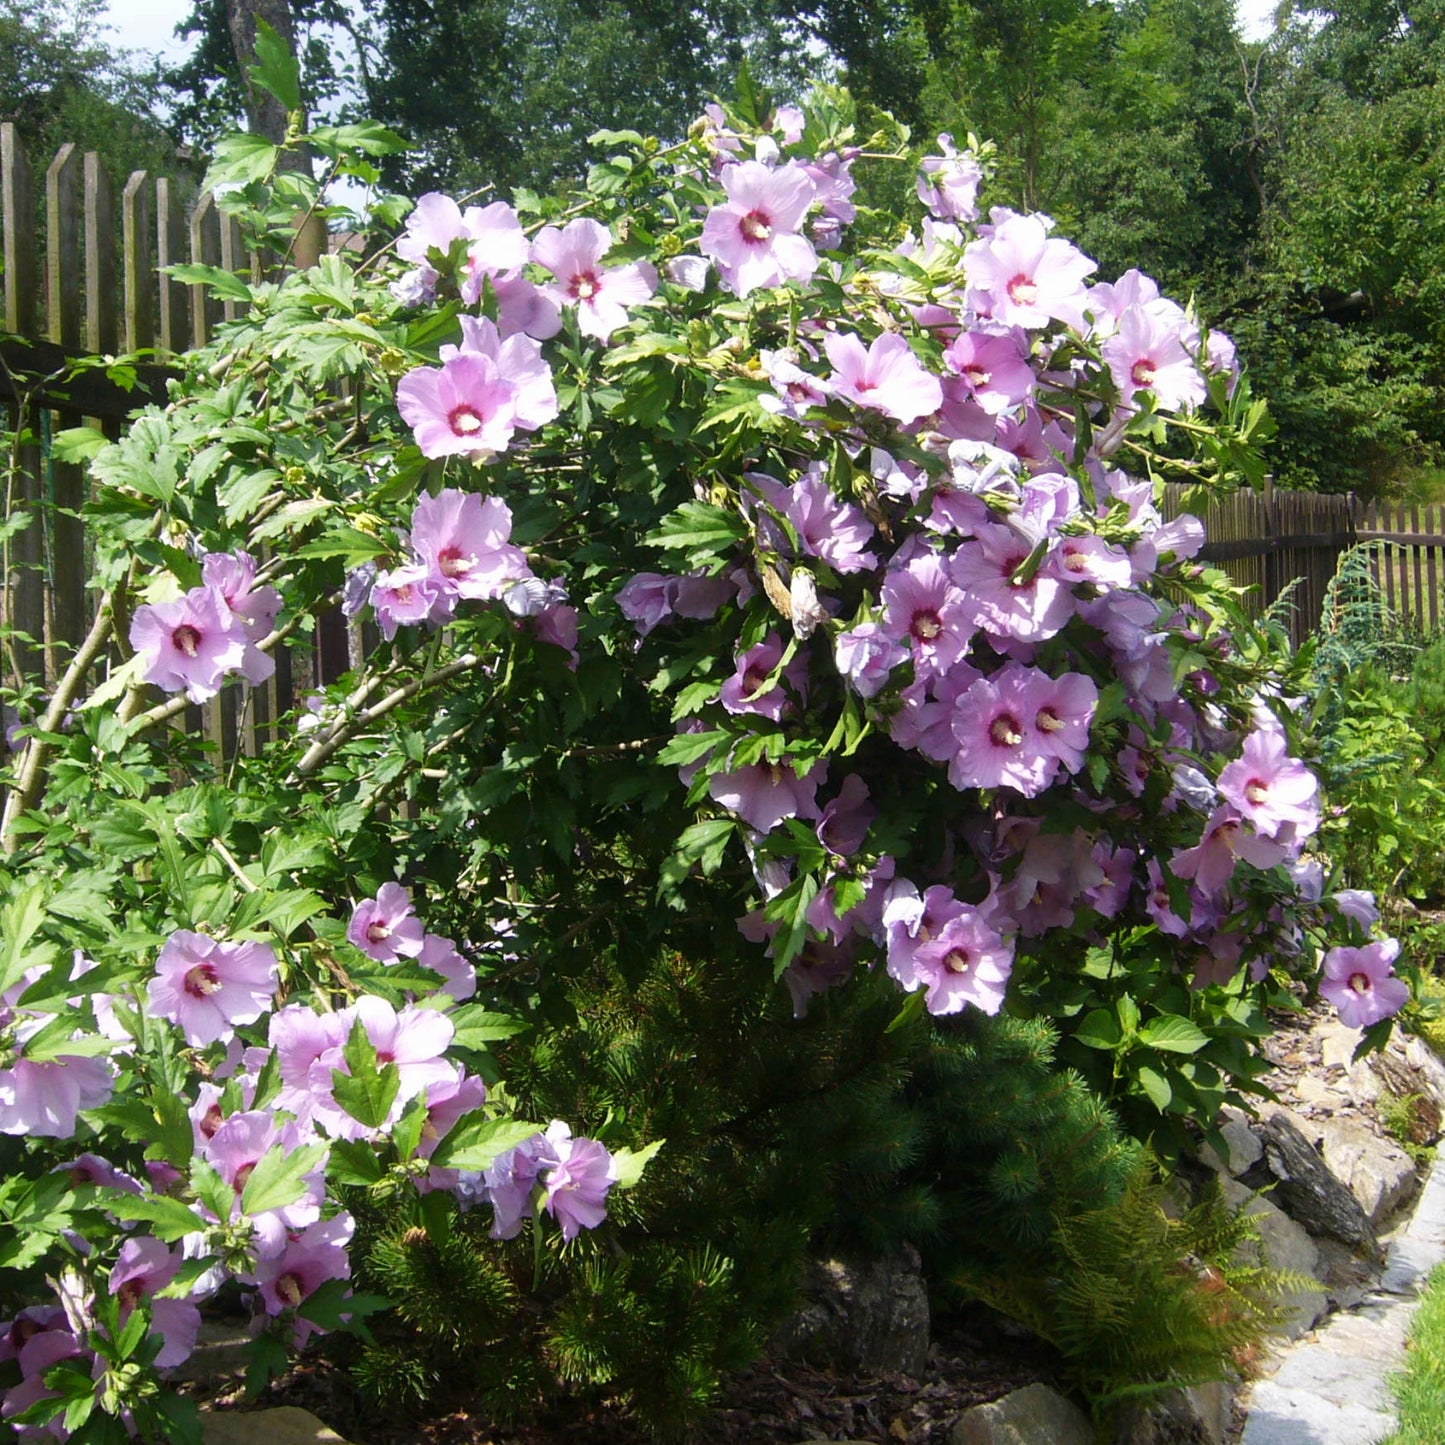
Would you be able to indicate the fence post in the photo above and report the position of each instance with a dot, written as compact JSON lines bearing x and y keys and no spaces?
{"x":68,"y":622}
{"x":140,"y":280}
{"x":205,"y":251}
{"x":22,"y":605}
{"x":170,"y":251}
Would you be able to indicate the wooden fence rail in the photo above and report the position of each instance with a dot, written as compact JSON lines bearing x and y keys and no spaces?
{"x":1275,"y":542}
{"x":85,"y":277}
{"x":97,"y":285}
{"x":1409,"y":558}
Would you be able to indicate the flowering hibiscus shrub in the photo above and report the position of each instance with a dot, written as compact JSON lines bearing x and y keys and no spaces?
{"x":735,"y":575}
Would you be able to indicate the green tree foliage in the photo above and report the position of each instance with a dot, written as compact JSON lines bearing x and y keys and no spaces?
{"x":503,"y":92}
{"x":1349,"y":340}
{"x":507,"y":91}
{"x":61,"y":81}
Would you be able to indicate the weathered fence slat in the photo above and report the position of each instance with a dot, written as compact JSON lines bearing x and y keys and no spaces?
{"x":102,"y":333}
{"x":65,"y":293}
{"x":233,"y":258}
{"x":62,"y":246}
{"x":136,"y":263}
{"x":17,"y":215}
{"x":205,"y":251}
{"x":175,"y":331}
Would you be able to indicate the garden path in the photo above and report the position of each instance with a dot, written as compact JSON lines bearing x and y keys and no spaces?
{"x":1331,"y":1388}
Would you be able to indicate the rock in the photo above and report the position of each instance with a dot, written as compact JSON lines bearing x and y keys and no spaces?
{"x":1427,"y":1064}
{"x":285,"y":1425}
{"x":1346,"y":1277}
{"x":221,"y":1349}
{"x":1376,"y":1171}
{"x":1197,"y":1416}
{"x":1244,"y":1146}
{"x":869,"y":1315}
{"x":1286,"y":1247}
{"x":1337,"y":1043}
{"x":1319,"y":1094}
{"x":1403,"y":1080}
{"x":1035,"y":1415}
{"x":1308,"y":1191}
{"x":1364,"y":1083}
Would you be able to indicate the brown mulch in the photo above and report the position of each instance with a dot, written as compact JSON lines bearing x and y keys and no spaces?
{"x":979,"y":1359}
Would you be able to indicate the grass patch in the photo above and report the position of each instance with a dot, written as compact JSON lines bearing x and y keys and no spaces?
{"x":1420,"y":1388}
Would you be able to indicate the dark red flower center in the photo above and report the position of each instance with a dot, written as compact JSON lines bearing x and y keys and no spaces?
{"x":1142,"y":373}
{"x":584,"y":286}
{"x":465,"y":420}
{"x":186,"y":639}
{"x":451,"y":562}
{"x":756,"y":226}
{"x":1022,"y":290}
{"x":1006,"y":731}
{"x":957,"y":960}
{"x":201,"y":981}
{"x":1361,"y":983}
{"x":288,"y":1289}
{"x":926,"y":625}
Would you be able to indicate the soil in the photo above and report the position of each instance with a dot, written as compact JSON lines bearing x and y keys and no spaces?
{"x":976,"y":1358}
{"x":980,"y":1358}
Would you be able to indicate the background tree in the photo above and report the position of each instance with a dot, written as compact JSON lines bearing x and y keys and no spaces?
{"x":61,"y":81}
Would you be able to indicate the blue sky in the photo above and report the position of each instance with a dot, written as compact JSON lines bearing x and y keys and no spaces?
{"x":147,"y":25}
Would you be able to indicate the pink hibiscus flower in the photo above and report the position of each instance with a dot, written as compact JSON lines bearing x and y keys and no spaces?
{"x":601,"y":295}
{"x":754,"y":238}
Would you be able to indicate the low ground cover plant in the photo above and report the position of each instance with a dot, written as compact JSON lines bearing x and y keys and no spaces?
{"x":779,"y":665}
{"x":1419,"y":1387}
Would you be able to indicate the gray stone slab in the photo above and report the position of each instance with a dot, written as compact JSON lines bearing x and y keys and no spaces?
{"x":1427,"y":1223}
{"x":1297,"y":1417}
{"x":1410,"y":1261}
{"x":1378,"y":1336}
{"x":1341,"y":1379}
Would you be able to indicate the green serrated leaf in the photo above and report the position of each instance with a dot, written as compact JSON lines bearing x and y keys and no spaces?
{"x":20,"y":919}
{"x":476,"y":1026}
{"x":474,"y":1141}
{"x":276,"y":69}
{"x":687,"y":748}
{"x":279,"y":1177}
{"x":168,"y":1218}
{"x":354,"y":1161}
{"x":240,"y":159}
{"x":223,"y":283}
{"x":700,"y":527}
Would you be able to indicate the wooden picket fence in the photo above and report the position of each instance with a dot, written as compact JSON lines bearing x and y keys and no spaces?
{"x":97,"y":285}
{"x":1276,"y":543}
{"x":1279,"y":542}
{"x":1408,"y":545}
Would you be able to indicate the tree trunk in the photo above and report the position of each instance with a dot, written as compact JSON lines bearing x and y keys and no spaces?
{"x":265,"y":115}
